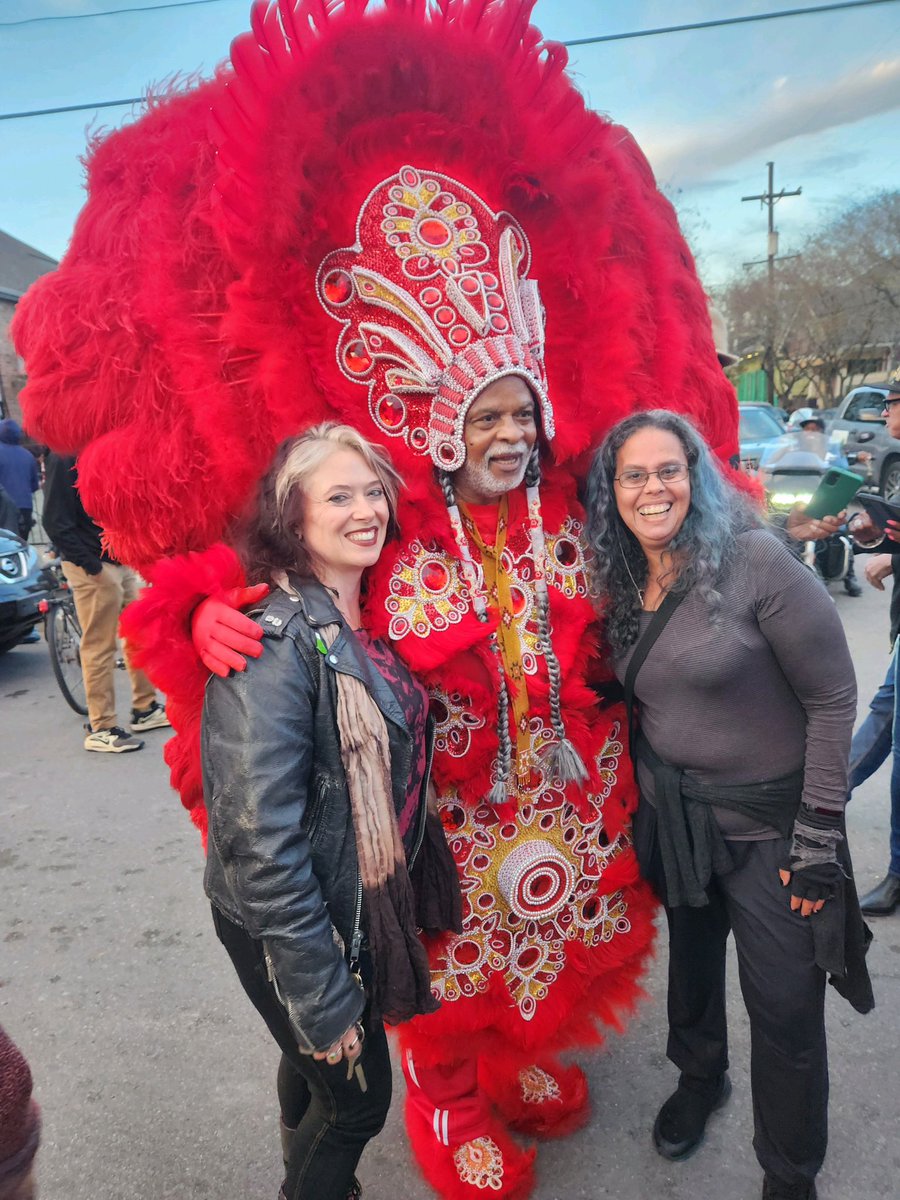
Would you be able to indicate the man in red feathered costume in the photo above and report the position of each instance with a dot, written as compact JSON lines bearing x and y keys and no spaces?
{"x":351,"y":221}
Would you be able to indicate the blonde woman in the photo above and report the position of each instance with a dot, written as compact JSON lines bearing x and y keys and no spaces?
{"x":315,"y":776}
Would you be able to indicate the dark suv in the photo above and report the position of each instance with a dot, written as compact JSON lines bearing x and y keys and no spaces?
{"x":23,"y":584}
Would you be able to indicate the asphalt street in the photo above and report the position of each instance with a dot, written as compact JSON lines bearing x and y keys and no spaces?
{"x":157,"y":1079}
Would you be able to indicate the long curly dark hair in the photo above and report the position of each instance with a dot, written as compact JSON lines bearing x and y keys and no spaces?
{"x":702,"y":549}
{"x":266,"y":540}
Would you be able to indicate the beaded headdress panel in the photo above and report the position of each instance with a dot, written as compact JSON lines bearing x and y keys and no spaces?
{"x":436,"y":304}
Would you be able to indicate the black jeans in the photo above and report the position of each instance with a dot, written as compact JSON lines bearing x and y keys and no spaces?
{"x":783,"y":990}
{"x":334,"y":1117}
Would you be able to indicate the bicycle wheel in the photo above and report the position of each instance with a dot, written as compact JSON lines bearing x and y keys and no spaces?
{"x":64,"y":640}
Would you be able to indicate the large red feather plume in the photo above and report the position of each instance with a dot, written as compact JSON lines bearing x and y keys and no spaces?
{"x":181,"y":337}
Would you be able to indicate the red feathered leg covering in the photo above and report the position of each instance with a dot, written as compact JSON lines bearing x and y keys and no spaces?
{"x":460,"y":1146}
{"x":543,"y":1099}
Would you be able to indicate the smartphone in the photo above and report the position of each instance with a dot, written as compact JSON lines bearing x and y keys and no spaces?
{"x":836,"y":489}
{"x":880,"y":510}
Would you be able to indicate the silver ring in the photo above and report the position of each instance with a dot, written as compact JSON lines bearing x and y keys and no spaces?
{"x":352,"y":1045}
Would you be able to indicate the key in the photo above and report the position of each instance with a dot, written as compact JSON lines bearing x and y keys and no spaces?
{"x":356,"y":1068}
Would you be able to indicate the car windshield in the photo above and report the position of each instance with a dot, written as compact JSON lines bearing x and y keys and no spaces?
{"x":755,"y":425}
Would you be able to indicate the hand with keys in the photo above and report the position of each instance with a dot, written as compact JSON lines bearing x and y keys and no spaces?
{"x":348,"y":1048}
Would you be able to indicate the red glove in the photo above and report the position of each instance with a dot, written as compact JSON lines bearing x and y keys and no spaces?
{"x":223,"y":637}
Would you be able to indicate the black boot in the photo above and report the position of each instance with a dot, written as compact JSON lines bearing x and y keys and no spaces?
{"x":883,"y":898}
{"x":681,"y":1123}
{"x":776,"y":1189}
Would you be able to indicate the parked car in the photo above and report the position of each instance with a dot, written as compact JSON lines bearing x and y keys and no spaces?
{"x":780,"y":413}
{"x":24,"y":583}
{"x":859,"y":425}
{"x":758,"y":427}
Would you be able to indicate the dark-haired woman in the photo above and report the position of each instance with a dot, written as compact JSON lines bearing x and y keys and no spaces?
{"x":315,"y":765}
{"x":737,"y":673}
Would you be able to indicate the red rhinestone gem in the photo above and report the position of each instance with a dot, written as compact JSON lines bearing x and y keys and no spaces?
{"x":466,"y":953}
{"x":528,"y":958}
{"x":391,"y":411}
{"x":495,"y":302}
{"x":440,"y":712}
{"x":434,"y":576}
{"x":445,"y":315}
{"x":433,"y":232}
{"x":338,"y":287}
{"x":459,"y":335}
{"x":409,"y":177}
{"x":452,"y":817}
{"x":499,"y":323}
{"x":469,"y":285}
{"x":565,"y":553}
{"x":431,"y":296}
{"x":357,"y":359}
{"x":518,"y":601}
{"x":490,"y":281}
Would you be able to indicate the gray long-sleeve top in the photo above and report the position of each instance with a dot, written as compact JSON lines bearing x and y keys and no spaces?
{"x":763,"y":692}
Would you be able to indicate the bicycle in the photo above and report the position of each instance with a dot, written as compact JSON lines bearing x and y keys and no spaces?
{"x":63,"y":633}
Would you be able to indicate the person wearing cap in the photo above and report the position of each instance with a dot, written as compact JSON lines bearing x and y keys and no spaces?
{"x":20,"y":1123}
{"x":811,"y":446}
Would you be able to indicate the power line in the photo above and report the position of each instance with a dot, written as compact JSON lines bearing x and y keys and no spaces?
{"x":719,"y":21}
{"x":611,"y":37}
{"x":591,"y":41}
{"x":66,"y":108}
{"x":110,"y":12}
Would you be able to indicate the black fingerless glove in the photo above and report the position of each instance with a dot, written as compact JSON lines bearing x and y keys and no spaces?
{"x":812,"y":855}
{"x":815,"y":882}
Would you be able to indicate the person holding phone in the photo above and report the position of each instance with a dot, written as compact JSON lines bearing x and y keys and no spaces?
{"x":742,"y":698}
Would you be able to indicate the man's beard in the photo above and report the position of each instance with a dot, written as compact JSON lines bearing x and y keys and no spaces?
{"x":477,"y":477}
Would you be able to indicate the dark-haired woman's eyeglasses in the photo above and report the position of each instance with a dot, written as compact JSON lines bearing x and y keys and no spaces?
{"x":670,"y":473}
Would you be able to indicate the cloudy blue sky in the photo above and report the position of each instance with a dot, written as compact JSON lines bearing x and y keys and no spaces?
{"x":818,"y":94}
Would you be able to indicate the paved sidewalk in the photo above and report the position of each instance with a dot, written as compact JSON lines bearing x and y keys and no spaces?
{"x":157,"y":1081}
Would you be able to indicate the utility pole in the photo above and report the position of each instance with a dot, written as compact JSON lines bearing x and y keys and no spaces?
{"x":770,"y":198}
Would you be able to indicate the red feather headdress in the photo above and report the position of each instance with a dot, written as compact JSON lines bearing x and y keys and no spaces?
{"x":183,"y":335}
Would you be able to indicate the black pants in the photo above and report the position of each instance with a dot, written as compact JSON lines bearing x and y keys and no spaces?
{"x":334,"y":1117}
{"x":783,"y":990}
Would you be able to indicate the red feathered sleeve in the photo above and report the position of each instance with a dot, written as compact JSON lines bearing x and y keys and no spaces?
{"x":158,"y":629}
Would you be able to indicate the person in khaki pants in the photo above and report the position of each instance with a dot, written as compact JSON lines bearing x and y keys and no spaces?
{"x":101,"y":588}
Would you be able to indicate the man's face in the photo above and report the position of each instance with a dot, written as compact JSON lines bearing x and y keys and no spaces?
{"x":892,"y":413}
{"x":500,"y":431}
